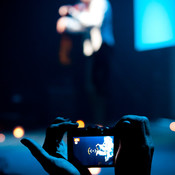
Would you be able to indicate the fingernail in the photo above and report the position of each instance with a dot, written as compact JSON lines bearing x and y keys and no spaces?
{"x":126,"y":122}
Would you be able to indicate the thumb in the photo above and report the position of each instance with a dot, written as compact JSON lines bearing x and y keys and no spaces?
{"x":37,"y":151}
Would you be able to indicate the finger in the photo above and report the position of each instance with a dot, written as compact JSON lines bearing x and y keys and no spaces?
{"x":37,"y":151}
{"x":63,"y":126}
{"x":60,"y":124}
{"x":54,"y":135}
{"x":60,"y":120}
{"x":137,"y":122}
{"x":141,"y":123}
{"x":133,"y":118}
{"x":133,"y":129}
{"x":58,"y":130}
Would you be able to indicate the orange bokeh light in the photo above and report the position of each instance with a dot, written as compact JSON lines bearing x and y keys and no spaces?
{"x":81,"y":123}
{"x":18,"y":132}
{"x":172,"y":126}
{"x":2,"y":138}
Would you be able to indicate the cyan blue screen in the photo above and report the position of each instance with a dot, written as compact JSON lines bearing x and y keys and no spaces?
{"x":154,"y":24}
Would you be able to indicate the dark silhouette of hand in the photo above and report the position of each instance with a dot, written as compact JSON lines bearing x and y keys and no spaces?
{"x":52,"y":156}
{"x":135,"y":152}
{"x":134,"y":147}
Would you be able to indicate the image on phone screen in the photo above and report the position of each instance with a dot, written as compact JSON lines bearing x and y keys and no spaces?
{"x":94,"y":150}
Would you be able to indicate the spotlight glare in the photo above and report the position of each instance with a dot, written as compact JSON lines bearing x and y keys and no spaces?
{"x":2,"y":137}
{"x":172,"y":126}
{"x":94,"y":171}
{"x":81,"y":123}
{"x":18,"y":132}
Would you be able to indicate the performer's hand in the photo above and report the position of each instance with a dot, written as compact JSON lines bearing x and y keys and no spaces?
{"x":53,"y":155}
{"x":136,"y":148}
{"x":64,"y":10}
{"x":61,"y":25}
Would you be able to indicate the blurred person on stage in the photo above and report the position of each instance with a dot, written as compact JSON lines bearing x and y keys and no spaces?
{"x":92,"y":19}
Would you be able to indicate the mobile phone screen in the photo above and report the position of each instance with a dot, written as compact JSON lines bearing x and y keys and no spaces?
{"x":94,"y":150}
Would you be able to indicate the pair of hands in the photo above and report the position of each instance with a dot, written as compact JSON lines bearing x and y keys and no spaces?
{"x":63,"y":20}
{"x":134,"y":155}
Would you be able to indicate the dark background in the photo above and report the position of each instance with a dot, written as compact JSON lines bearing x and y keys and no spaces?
{"x":35,"y":87}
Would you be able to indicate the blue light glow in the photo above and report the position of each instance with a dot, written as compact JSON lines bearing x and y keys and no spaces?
{"x":154,"y":24}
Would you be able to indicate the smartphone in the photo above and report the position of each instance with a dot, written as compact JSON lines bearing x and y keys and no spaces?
{"x":91,"y":147}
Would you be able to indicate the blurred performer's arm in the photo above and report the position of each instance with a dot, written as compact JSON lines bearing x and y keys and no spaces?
{"x":68,"y":24}
{"x":81,"y":19}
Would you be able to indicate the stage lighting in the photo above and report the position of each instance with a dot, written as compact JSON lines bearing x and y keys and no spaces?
{"x":154,"y":24}
{"x":18,"y":132}
{"x":81,"y":123}
{"x":172,"y":126}
{"x":2,"y":137}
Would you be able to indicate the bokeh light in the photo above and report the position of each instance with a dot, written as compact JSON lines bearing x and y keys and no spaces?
{"x":18,"y":132}
{"x":81,"y":123}
{"x":2,"y":137}
{"x":172,"y":126}
{"x":94,"y":171}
